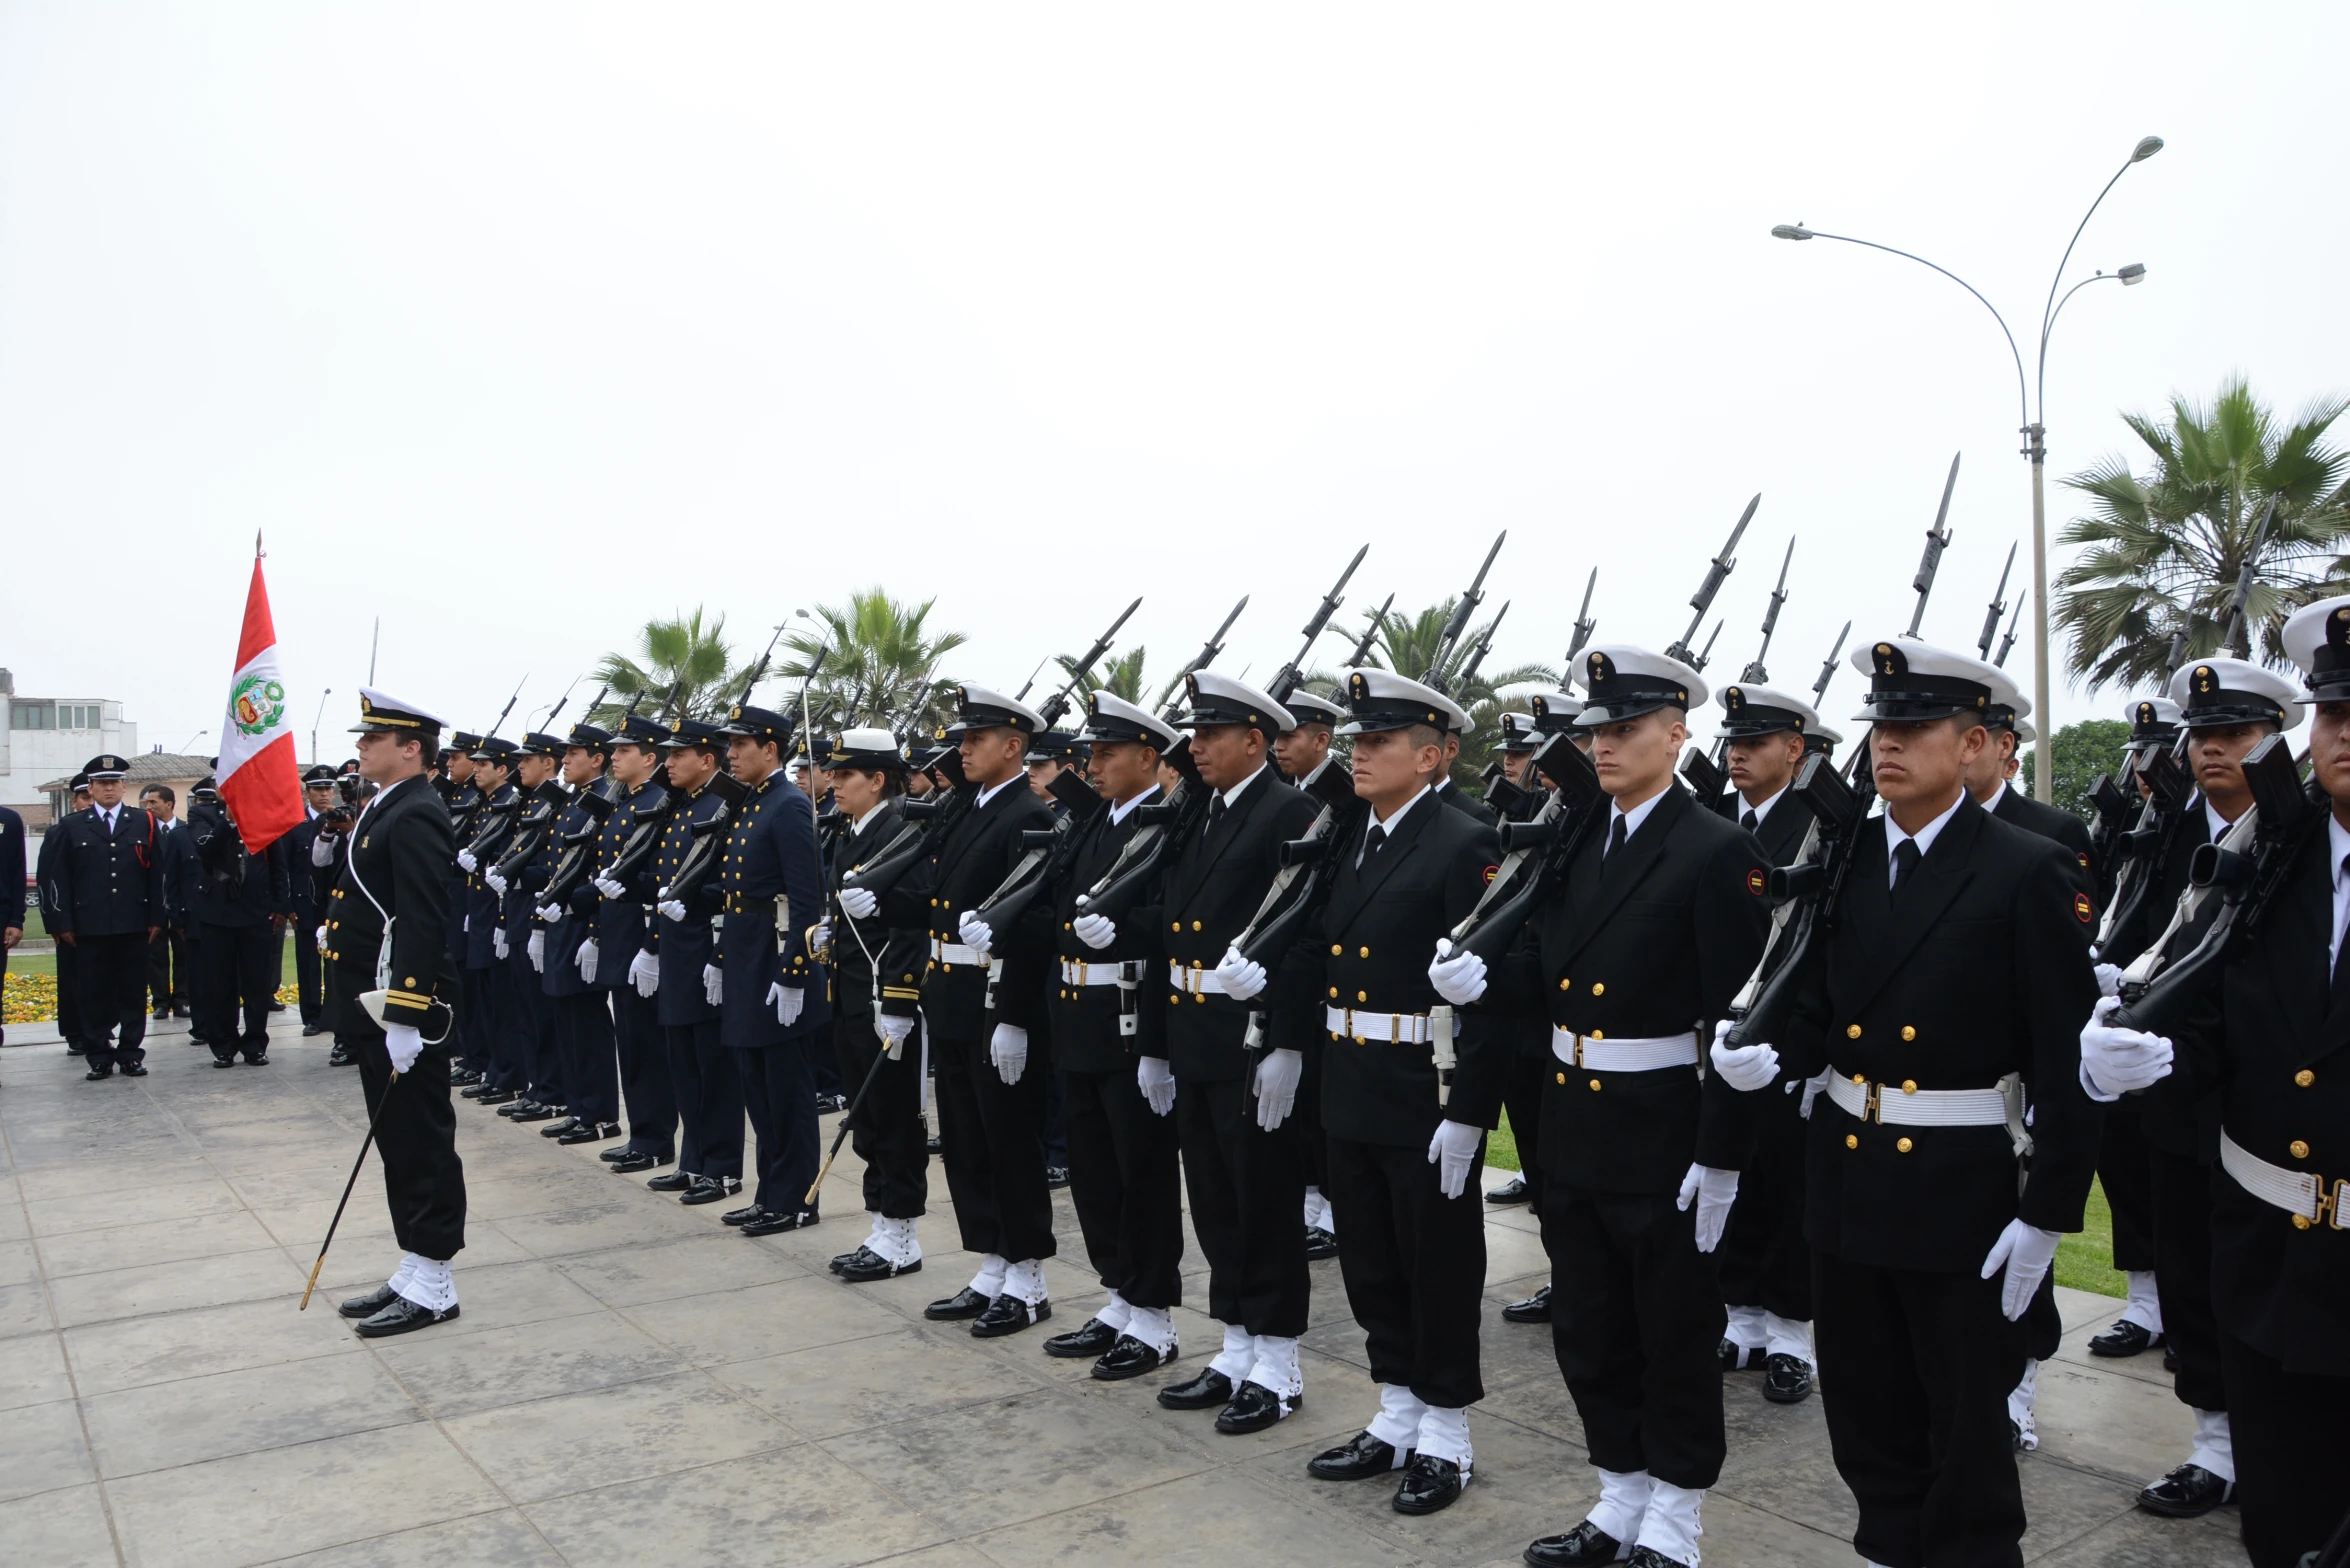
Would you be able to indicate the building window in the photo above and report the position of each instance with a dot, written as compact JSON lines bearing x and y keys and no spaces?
{"x":32,"y":715}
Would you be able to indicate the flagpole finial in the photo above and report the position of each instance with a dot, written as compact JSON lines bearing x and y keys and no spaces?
{"x":258,"y":552}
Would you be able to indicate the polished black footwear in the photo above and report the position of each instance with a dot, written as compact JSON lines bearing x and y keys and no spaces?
{"x":1008,"y":1314}
{"x":1429,"y":1486}
{"x":1255,"y":1407}
{"x":340,"y":1056}
{"x":2189,"y":1492}
{"x":1585,"y":1545}
{"x":473,"y":1093}
{"x":1130,"y":1357}
{"x":672,"y":1181}
{"x":1208,"y":1390}
{"x":1650,"y":1557}
{"x":864,"y":1266}
{"x":1092,"y":1339}
{"x":369,"y":1305}
{"x":590,"y":1132}
{"x":254,"y":1059}
{"x":1736,"y":1358}
{"x":496,"y":1097}
{"x":1534,"y":1309}
{"x":96,"y":1073}
{"x":2124,"y":1338}
{"x":2170,"y":1358}
{"x":401,"y":1316}
{"x":1056,"y":1177}
{"x":826,"y":1104}
{"x":772,"y":1224}
{"x":1786,"y":1379}
{"x":710,"y":1189}
{"x":310,"y":1029}
{"x":964,"y":1303}
{"x":1320,"y":1244}
{"x":634,"y":1160}
{"x":134,"y":1069}
{"x":621,"y":1153}
{"x":931,"y":1146}
{"x":224,"y":1061}
{"x":1358,"y":1458}
{"x":1511,"y":1191}
{"x":538,"y":1111}
{"x":558,"y":1129}
{"x":742,"y":1216}
{"x":463,"y":1075}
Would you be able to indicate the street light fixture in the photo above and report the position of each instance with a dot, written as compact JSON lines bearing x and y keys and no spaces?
{"x":314,"y":718}
{"x":2034,"y":431}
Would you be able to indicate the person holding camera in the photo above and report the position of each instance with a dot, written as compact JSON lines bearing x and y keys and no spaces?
{"x":238,"y":902}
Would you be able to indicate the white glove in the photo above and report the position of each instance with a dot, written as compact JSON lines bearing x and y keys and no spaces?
{"x":497,"y":883}
{"x":321,"y":938}
{"x":2109,"y":980}
{"x":2025,"y":1251}
{"x":1745,"y":1068}
{"x":1452,"y":1151}
{"x":858,"y":903}
{"x":713,"y":985}
{"x":549,"y":913}
{"x":1156,"y":1079}
{"x":498,"y":942}
{"x":894,"y":1032}
{"x":975,"y":933}
{"x":1713,"y":1191}
{"x":465,"y":858}
{"x":1008,"y":1049}
{"x":403,"y":1044}
{"x":1459,"y":980}
{"x":787,"y":1000}
{"x":587,"y":961}
{"x":1242,"y":977}
{"x":1812,"y":1089}
{"x":820,"y":939}
{"x":1095,"y":931}
{"x":644,"y":972}
{"x":537,"y":949}
{"x":1277,"y":1077}
{"x":608,"y":887}
{"x":674,"y":910}
{"x":2116,"y":1061}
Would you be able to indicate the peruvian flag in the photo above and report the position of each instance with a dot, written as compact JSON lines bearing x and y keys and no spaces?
{"x":259,"y":782}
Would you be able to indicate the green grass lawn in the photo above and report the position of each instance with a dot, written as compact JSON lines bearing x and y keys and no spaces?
{"x":23,"y":963}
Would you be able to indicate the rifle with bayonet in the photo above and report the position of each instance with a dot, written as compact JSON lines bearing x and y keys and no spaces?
{"x":1458,"y":622}
{"x":1754,"y":674}
{"x":2007,"y":638}
{"x":1716,"y":573}
{"x":1829,"y":666}
{"x":759,"y":670}
{"x":2238,"y":632}
{"x":1997,"y":608}
{"x":1290,"y":676}
{"x":1058,"y":703}
{"x":1476,"y":660}
{"x":1536,"y":855}
{"x":1937,"y":541}
{"x":2139,"y":853}
{"x":1371,"y":630}
{"x":545,"y":805}
{"x":644,"y":833}
{"x":1584,"y":627}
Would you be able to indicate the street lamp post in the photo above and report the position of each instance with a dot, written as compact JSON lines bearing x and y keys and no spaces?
{"x":2034,"y":429}
{"x":314,"y":718}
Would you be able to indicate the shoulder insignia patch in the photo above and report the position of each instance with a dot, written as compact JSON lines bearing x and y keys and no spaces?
{"x":2081,"y":908}
{"x":1490,"y":873}
{"x":2083,"y":857}
{"x":1757,"y":880}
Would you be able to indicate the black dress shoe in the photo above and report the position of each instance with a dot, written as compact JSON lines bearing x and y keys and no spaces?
{"x":1429,"y":1485}
{"x":76,"y":1048}
{"x":621,"y":1153}
{"x":340,"y":1056}
{"x":930,"y":1146}
{"x":1736,"y":1358}
{"x":310,"y":1029}
{"x":1358,"y":1458}
{"x":496,"y":1096}
{"x":2124,"y":1338}
{"x":1209,"y":1389}
{"x":1580,"y":1547}
{"x":1092,"y":1339}
{"x":826,"y":1104}
{"x":1008,"y":1314}
{"x":590,"y":1132}
{"x":864,"y":1266}
{"x":1511,"y":1191}
{"x":1534,"y":1309}
{"x":463,"y":1075}
{"x":637,"y":1160}
{"x":1320,"y":1244}
{"x":224,"y":1061}
{"x":2170,"y":1358}
{"x":134,"y":1069}
{"x":96,"y":1073}
{"x":2189,"y":1492}
{"x":252,"y":1059}
{"x":709,"y":1189}
{"x":402,"y":1316}
{"x":369,"y":1305}
{"x":964,"y":1303}
{"x":1130,"y":1357}
{"x":1650,"y":1557}
{"x":538,"y":1112}
{"x":773,"y":1224}
{"x":558,"y":1129}
{"x":1254,"y":1407}
{"x":742,"y":1216}
{"x":672,"y":1181}
{"x":1786,"y":1379}
{"x":1056,"y":1177}
{"x":474,"y":1093}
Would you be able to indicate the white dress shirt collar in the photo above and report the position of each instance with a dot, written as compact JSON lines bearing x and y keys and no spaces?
{"x":2338,"y":843}
{"x":1120,"y":810}
{"x":1633,"y":818}
{"x":1762,"y":813}
{"x":988,"y":792}
{"x":1232,"y":795}
{"x":1925,"y":836}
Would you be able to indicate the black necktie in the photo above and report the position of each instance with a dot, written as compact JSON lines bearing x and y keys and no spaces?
{"x":1750,"y":821}
{"x":1906,"y":855}
{"x":1375,"y":843}
{"x":1215,"y":810}
{"x":2345,"y":947}
{"x":1615,"y":836}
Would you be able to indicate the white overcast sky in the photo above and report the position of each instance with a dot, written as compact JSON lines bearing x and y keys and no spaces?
{"x":515,"y":325}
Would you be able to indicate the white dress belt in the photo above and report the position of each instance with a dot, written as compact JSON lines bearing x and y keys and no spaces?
{"x":1893,"y":1106}
{"x":1647,"y":1054}
{"x":2301,"y":1194}
{"x":1399,"y":1028}
{"x":1083,"y":971}
{"x":1195,"y":980}
{"x":945,"y":952}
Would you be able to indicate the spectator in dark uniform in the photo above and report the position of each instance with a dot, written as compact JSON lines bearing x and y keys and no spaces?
{"x":240,"y":902}
{"x":11,"y":890}
{"x":169,"y":965}
{"x":318,"y":795}
{"x":107,"y":886}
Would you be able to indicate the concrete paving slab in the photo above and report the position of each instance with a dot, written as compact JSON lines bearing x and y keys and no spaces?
{"x":190,"y":1419}
{"x":62,"y":1529}
{"x":579,"y":1442}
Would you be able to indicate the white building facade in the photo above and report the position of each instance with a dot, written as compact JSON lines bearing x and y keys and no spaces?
{"x":50,"y":737}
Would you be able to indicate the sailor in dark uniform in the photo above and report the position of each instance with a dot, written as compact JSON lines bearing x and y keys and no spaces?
{"x":1406,"y":1129}
{"x":583,"y":1013}
{"x":1660,"y":920}
{"x":1302,"y":753}
{"x":771,"y":994}
{"x":1955,"y":975}
{"x":1449,"y":792}
{"x":105,"y":903}
{"x":328,"y":851}
{"x":488,"y":979}
{"x":1766,"y":1264}
{"x":471,"y":1058}
{"x":708,"y":1082}
{"x":393,"y":984}
{"x":876,"y":995}
{"x":1124,"y":1162}
{"x":518,"y":878}
{"x":1989,"y":778}
{"x":624,"y":895}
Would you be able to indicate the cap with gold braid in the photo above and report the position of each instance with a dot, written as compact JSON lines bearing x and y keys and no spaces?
{"x":383,"y":714}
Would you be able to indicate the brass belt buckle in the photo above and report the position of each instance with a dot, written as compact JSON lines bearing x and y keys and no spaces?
{"x":1874,"y":1110}
{"x":2329,"y":1205}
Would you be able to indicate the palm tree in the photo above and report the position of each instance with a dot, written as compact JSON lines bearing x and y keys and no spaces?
{"x":683,"y":669}
{"x":1408,"y":645}
{"x":880,"y":665}
{"x":2167,"y":547}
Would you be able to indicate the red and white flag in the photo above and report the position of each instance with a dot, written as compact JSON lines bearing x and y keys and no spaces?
{"x":259,"y":781}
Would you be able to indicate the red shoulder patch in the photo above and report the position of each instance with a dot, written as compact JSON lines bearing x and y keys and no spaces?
{"x":2082,"y":909}
{"x":1490,"y":873}
{"x":1757,"y":880}
{"x":2083,"y":857}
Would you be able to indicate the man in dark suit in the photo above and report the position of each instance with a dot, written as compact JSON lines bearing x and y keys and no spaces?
{"x":1766,"y":1266}
{"x":1659,"y":921}
{"x":106,"y":903}
{"x":69,"y":990}
{"x":318,"y":796}
{"x":1402,"y":1089}
{"x":239,"y":905}
{"x":170,"y":963}
{"x":393,"y":985}
{"x":11,"y":889}
{"x":989,"y":1052}
{"x":1955,"y":975}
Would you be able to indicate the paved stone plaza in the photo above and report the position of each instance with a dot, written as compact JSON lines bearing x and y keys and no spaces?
{"x":631,"y":1383}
